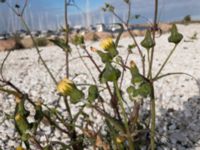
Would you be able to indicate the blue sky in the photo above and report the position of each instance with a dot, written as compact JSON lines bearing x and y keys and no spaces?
{"x":49,"y":14}
{"x":42,"y":5}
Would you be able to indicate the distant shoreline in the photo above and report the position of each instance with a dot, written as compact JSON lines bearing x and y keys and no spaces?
{"x":25,"y":42}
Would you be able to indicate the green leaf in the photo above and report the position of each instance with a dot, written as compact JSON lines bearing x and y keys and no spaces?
{"x":144,"y":89}
{"x":25,"y":137}
{"x":38,"y":114}
{"x":148,"y":42}
{"x":113,"y":52}
{"x":105,"y":57}
{"x":22,"y":124}
{"x":76,"y":95}
{"x":92,"y":93}
{"x":131,"y":46}
{"x":136,"y":76}
{"x":48,"y":147}
{"x":62,"y":44}
{"x":132,"y":92}
{"x":175,"y":36}
{"x":109,"y":74}
{"x":78,"y":40}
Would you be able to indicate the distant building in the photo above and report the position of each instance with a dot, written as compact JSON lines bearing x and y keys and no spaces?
{"x":115,"y":27}
{"x":100,"y":27}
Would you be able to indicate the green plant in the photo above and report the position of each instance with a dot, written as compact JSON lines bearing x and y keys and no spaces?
{"x":121,"y":127}
{"x":42,"y":41}
{"x":18,"y":39}
{"x":187,"y":19}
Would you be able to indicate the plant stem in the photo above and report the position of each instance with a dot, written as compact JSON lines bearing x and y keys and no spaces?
{"x":149,"y":75}
{"x":131,"y":145}
{"x":124,"y":69}
{"x":67,"y":38}
{"x":38,"y":51}
{"x":86,"y":66}
{"x":135,"y":42}
{"x":152,"y":95}
{"x":155,"y":25}
{"x":153,"y":117}
{"x":166,"y":60}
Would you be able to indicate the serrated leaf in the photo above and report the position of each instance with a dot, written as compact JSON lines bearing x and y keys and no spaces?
{"x":76,"y":95}
{"x":144,"y":89}
{"x":105,"y":57}
{"x":93,"y":93}
{"x":109,"y":74}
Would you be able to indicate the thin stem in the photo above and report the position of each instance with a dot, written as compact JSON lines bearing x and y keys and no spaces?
{"x":155,"y":25}
{"x":24,"y":7}
{"x":124,"y":69}
{"x":38,"y":51}
{"x":153,"y":118}
{"x":152,"y":95}
{"x":99,"y":70}
{"x":2,"y":65}
{"x":55,"y":124}
{"x":120,"y":100}
{"x":67,"y":38}
{"x":149,"y":64}
{"x":135,"y":42}
{"x":165,"y":62}
{"x":37,"y":143}
{"x":86,"y":66}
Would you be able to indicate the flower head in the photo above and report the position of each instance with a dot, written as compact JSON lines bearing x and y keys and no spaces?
{"x":120,"y":139}
{"x":20,"y":148}
{"x":65,"y":86}
{"x":107,"y":44}
{"x":18,"y":117}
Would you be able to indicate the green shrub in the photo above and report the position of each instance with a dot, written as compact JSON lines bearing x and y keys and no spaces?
{"x":18,"y":39}
{"x":187,"y":19}
{"x":42,"y":41}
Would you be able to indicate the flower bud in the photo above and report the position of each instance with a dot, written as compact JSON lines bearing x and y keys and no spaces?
{"x":18,"y":117}
{"x":148,"y":42}
{"x":20,"y":148}
{"x":175,"y":36}
{"x":120,"y":139}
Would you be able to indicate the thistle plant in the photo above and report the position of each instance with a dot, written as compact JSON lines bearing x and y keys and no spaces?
{"x":121,"y":126}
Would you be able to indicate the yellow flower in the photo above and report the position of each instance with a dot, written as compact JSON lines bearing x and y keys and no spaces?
{"x":107,"y":43}
{"x":20,"y":148}
{"x":120,"y":139}
{"x":17,"y":117}
{"x":65,"y":87}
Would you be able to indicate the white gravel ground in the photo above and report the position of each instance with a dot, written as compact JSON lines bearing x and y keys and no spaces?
{"x":178,"y":97}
